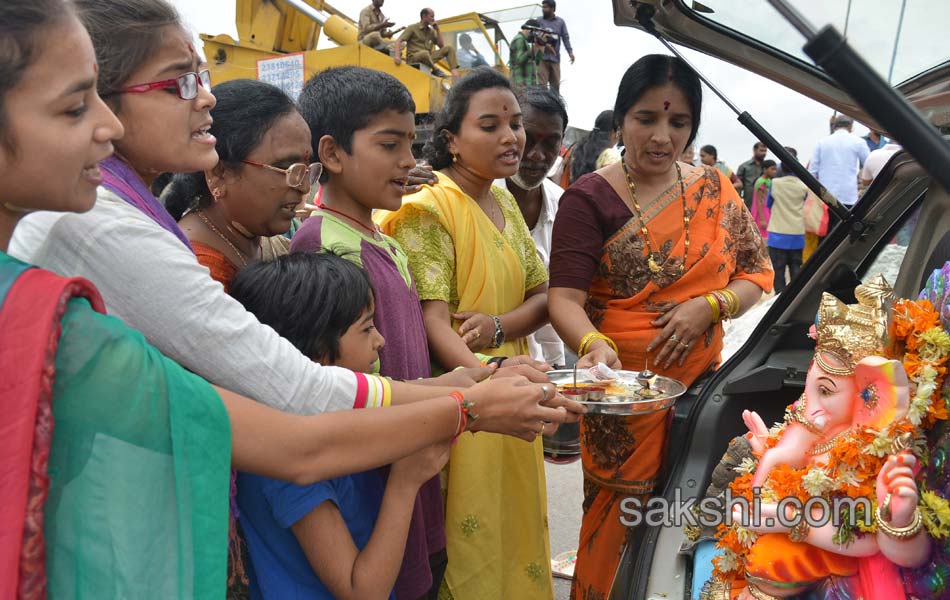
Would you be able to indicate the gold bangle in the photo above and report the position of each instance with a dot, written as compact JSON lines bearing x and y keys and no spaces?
{"x":759,"y":594}
{"x":714,"y":304}
{"x":592,"y":337}
{"x":725,"y":304}
{"x":729,"y":300}
{"x":585,"y":342}
{"x":604,"y":338}
{"x":731,"y":305}
{"x":897,"y":533}
{"x":736,"y":302}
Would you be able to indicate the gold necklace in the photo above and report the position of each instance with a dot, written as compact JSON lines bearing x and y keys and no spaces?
{"x":211,"y":226}
{"x":494,"y":208}
{"x":492,"y":213}
{"x":826,"y":446}
{"x":652,"y":263}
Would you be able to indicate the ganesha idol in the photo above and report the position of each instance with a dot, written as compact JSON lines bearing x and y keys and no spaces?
{"x":853,"y":434}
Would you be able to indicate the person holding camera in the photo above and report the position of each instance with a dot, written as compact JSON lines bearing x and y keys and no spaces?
{"x":527,"y":49}
{"x":549,"y":70}
{"x":420,"y":39}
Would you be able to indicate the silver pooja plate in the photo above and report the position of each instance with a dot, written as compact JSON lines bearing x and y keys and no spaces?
{"x":633,"y":400}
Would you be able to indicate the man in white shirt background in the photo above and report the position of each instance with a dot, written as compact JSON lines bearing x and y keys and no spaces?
{"x":545,"y":119}
{"x":876,"y":161}
{"x":836,"y":160}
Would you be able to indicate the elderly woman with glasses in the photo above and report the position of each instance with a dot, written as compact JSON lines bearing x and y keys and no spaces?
{"x":238,"y":211}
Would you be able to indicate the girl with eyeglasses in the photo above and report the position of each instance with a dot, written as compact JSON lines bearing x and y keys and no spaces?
{"x":238,"y":211}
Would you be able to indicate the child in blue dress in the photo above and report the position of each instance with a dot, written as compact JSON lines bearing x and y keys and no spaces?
{"x":344,"y":537}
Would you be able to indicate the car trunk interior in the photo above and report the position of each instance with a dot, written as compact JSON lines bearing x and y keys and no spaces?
{"x":769,"y":372}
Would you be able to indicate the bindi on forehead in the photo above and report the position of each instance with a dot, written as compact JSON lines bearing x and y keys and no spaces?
{"x":666,"y":105}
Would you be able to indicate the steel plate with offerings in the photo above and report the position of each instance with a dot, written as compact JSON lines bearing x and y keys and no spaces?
{"x":609,"y":392}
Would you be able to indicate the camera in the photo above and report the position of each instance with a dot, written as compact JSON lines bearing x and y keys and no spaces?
{"x":541,"y":35}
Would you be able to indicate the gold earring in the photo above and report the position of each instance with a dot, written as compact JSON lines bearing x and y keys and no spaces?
{"x":870,"y":397}
{"x":455,"y":157}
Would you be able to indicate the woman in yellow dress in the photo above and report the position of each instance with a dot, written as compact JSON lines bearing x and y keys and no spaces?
{"x":483,"y":289}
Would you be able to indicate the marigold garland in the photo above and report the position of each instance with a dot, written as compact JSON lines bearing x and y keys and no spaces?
{"x":916,"y":334}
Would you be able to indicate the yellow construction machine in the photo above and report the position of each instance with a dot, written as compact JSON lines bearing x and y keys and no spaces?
{"x":277,"y":42}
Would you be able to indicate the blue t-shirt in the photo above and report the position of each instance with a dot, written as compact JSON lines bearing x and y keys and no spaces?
{"x":269,"y":508}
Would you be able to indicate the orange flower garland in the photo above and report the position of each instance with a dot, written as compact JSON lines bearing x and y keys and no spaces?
{"x":917,"y":336}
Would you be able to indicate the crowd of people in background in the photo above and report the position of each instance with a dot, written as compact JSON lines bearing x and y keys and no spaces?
{"x":244,"y":334}
{"x":788,"y":214}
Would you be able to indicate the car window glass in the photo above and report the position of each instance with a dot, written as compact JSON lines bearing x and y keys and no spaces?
{"x":897,"y":46}
{"x":481,"y":44}
{"x":890,"y":255}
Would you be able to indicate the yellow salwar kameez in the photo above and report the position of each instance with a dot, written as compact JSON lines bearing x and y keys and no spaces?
{"x":496,"y":500}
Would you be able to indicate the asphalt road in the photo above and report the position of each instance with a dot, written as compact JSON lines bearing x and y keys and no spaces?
{"x":565,"y":495}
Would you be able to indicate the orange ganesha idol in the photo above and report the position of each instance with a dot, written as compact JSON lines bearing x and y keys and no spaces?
{"x":840,"y":507}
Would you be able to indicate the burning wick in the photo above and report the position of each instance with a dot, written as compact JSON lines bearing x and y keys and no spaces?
{"x":645,"y":377}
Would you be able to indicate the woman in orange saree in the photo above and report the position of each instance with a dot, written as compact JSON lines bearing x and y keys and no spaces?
{"x":649,"y":255}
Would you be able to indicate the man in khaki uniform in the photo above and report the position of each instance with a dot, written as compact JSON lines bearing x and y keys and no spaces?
{"x":374,"y":27}
{"x":420,"y":38}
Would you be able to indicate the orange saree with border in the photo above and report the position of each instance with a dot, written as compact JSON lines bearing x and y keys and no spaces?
{"x":622,"y":456}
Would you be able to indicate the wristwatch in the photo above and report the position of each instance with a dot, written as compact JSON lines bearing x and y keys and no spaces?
{"x":499,"y":337}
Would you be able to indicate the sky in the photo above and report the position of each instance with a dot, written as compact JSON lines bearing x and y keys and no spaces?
{"x":604,"y":51}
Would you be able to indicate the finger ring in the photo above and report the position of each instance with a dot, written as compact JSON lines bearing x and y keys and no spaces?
{"x":544,"y":392}
{"x":673,"y":338}
{"x":540,"y":431}
{"x":685,"y":344}
{"x":478,"y":333}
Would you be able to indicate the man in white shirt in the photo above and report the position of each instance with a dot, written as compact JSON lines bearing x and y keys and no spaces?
{"x":876,"y":161}
{"x":836,"y":160}
{"x":545,"y":119}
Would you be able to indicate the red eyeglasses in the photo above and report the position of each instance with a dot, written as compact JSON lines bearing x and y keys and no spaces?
{"x":186,"y":85}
